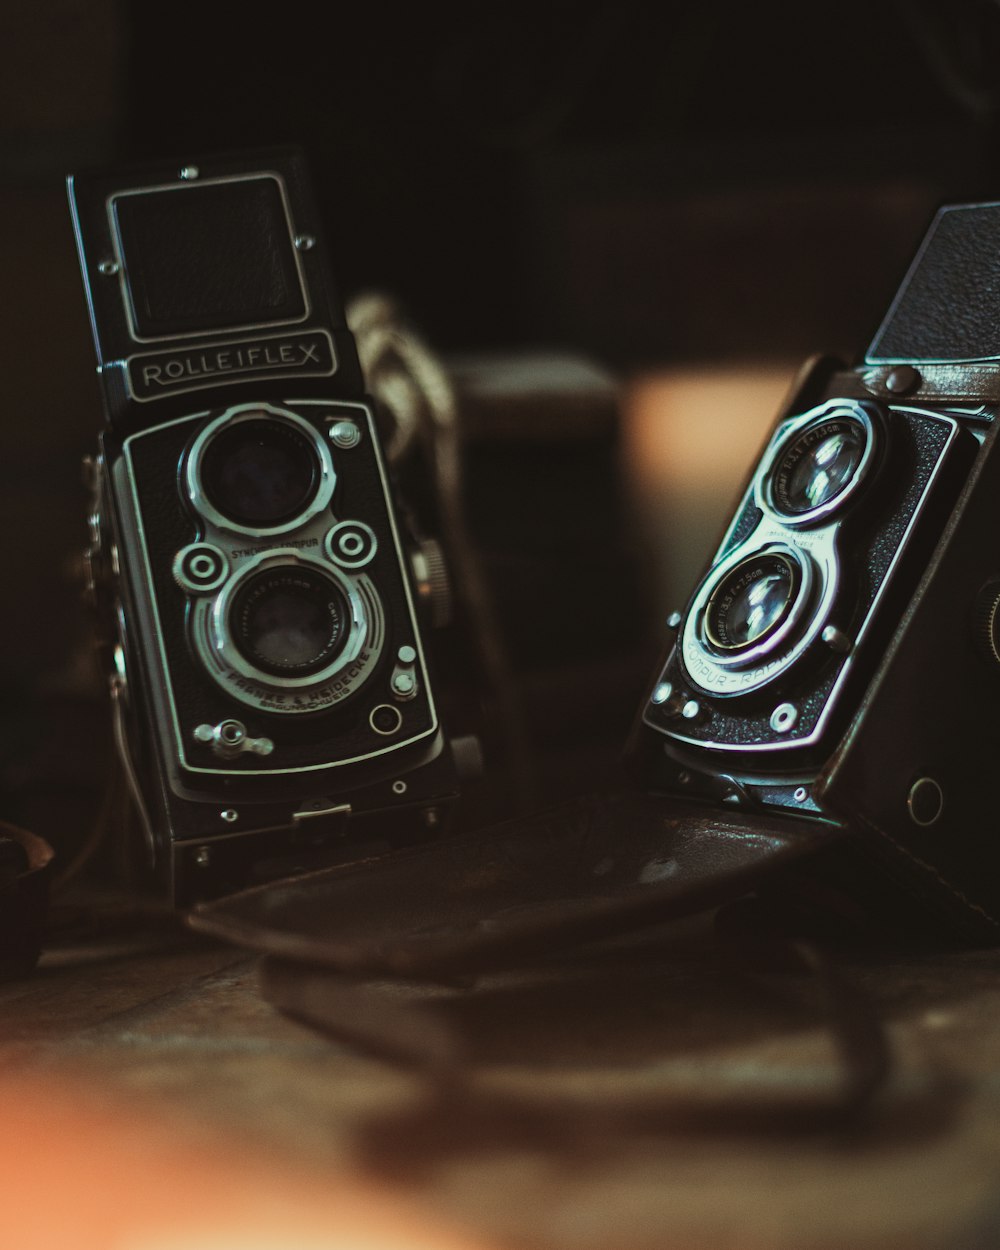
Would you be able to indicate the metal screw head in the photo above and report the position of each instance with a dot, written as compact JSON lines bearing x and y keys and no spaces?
{"x":345,"y":434}
{"x":305,"y":242}
{"x":902,"y":380}
{"x":662,"y":692}
{"x":189,"y":173}
{"x":203,"y":856}
{"x":801,"y":794}
{"x":403,"y":683}
{"x":691,"y":710}
{"x":229,"y":815}
{"x":108,"y":268}
{"x":836,"y":640}
{"x":674,"y":620}
{"x":399,"y":787}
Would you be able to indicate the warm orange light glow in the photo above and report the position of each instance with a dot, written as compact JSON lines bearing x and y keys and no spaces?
{"x":80,"y":1174}
{"x":691,"y":437}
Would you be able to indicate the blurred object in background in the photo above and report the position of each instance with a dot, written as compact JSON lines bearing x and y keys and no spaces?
{"x":548,"y":513}
{"x":511,"y":463}
{"x":689,"y":435}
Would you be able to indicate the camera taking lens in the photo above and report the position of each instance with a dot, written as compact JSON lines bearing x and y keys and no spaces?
{"x":289,"y":621}
{"x":751,"y":602}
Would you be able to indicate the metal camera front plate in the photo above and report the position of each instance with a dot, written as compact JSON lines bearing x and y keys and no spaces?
{"x":812,"y":546}
{"x":280,"y":698}
{"x":692,"y":673}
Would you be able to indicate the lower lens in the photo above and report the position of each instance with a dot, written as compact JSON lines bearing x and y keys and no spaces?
{"x":751,"y":602}
{"x":818,"y":465}
{"x":259,"y":471}
{"x":289,"y":621}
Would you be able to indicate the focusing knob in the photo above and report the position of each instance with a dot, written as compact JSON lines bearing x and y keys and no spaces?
{"x":431,"y":576}
{"x":987,"y":623}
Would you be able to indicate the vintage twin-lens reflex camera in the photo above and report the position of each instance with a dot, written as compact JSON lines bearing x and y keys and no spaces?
{"x":272,"y":692}
{"x":840,"y":659}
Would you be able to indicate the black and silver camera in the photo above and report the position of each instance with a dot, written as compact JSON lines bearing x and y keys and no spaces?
{"x":840,"y":659}
{"x":273,"y":695}
{"x":823,"y":728}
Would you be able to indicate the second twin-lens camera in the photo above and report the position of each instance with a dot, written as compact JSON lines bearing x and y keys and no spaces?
{"x":839,"y":660}
{"x":274,"y":697}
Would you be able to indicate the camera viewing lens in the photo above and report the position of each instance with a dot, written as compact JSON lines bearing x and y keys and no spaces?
{"x":751,"y":602}
{"x":289,"y":621}
{"x":260,"y":472}
{"x":818,"y":465}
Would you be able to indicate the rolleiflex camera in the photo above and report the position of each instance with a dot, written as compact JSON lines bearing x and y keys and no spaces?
{"x":840,"y":659}
{"x":272,"y":690}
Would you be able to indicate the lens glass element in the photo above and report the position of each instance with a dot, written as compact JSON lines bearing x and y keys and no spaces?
{"x":817,"y":465}
{"x":751,"y":602}
{"x":289,"y":621}
{"x":260,"y":472}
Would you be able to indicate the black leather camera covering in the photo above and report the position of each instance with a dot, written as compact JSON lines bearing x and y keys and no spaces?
{"x":208,"y":257}
{"x":946,"y":308}
{"x":932,"y":712}
{"x":586,"y":869}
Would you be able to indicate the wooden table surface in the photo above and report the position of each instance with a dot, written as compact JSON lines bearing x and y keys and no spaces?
{"x":154,"y":1098}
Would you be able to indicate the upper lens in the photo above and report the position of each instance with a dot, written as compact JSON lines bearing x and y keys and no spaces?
{"x":751,"y":602}
{"x":289,"y":621}
{"x":817,"y":465}
{"x":259,"y":472}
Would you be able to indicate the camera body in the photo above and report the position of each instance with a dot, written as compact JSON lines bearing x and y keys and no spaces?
{"x":839,"y":662}
{"x":273,"y":700}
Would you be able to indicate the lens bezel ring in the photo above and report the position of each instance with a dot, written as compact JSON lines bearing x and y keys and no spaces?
{"x":748,"y":668}
{"x":740,"y":654}
{"x":867,"y":417}
{"x":312,"y":589}
{"x":347,"y":672}
{"x":203,"y":505}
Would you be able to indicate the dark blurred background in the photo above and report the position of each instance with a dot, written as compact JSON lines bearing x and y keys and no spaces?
{"x":684,"y":200}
